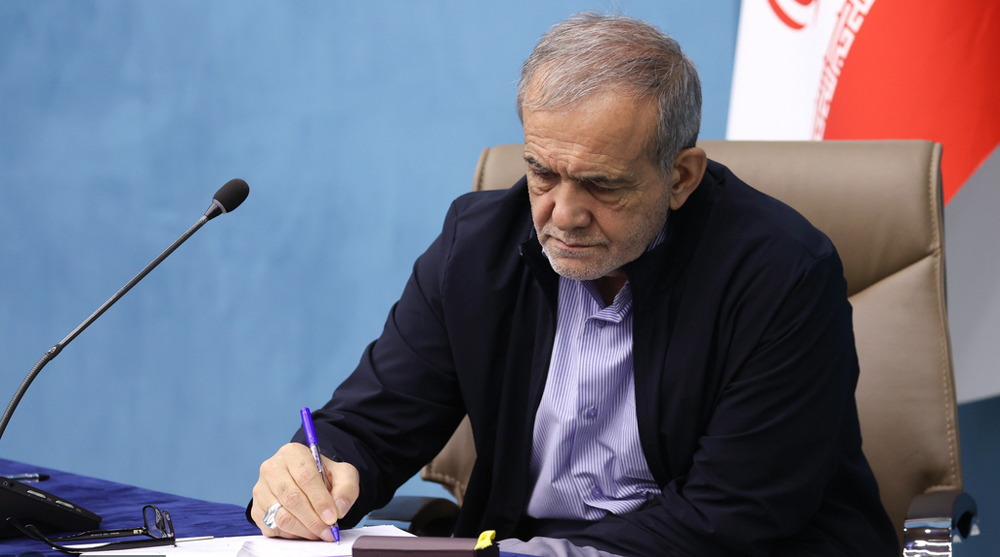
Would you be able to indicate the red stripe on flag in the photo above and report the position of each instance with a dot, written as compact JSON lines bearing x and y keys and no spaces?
{"x":784,"y":17}
{"x":925,"y":69}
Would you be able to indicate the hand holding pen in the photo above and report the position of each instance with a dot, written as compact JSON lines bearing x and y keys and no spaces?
{"x":293,"y":499}
{"x":310,"y":429}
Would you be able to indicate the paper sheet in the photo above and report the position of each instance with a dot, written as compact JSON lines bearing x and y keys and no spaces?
{"x":261,"y":546}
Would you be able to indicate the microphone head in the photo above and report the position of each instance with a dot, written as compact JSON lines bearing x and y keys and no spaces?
{"x":228,"y":198}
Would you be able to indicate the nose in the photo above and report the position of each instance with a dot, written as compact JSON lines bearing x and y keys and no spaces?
{"x":569,"y":206}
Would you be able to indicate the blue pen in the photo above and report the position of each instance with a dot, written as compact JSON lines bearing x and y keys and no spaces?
{"x":307,"y":424}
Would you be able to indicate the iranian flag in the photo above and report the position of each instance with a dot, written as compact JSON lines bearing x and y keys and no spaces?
{"x":895,"y":69}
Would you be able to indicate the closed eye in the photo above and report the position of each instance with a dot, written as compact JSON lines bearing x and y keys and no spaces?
{"x":600,"y":187}
{"x":603,"y":188}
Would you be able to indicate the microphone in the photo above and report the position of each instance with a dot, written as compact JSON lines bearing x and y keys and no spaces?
{"x":228,"y":198}
{"x":16,"y":500}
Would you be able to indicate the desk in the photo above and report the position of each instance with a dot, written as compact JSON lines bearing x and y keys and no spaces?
{"x":120,"y":506}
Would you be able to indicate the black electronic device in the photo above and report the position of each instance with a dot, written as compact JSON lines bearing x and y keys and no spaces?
{"x":49,"y":513}
{"x":29,"y":504}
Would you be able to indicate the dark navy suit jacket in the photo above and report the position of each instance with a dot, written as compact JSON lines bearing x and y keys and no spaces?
{"x":745,"y":370}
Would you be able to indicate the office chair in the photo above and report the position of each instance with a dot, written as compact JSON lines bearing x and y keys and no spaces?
{"x":880,"y":203}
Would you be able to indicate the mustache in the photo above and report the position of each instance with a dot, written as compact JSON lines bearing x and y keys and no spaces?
{"x":572,"y":239}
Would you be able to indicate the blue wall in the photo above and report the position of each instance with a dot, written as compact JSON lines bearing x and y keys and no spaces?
{"x":355,"y":125}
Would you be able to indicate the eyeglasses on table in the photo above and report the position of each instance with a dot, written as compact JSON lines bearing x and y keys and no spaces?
{"x":157,"y":527}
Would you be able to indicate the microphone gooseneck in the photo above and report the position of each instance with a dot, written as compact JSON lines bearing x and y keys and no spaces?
{"x":226,"y":199}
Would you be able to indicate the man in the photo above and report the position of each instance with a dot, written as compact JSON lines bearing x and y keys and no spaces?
{"x":655,"y":358}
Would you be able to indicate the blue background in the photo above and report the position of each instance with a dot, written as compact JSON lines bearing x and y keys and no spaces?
{"x":355,"y":125}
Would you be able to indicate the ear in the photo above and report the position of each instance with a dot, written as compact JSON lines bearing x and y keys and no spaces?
{"x":689,"y":168}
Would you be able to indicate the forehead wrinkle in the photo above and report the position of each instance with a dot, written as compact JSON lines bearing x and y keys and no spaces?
{"x":583,"y":168}
{"x":607,"y":129}
{"x":577,"y":161}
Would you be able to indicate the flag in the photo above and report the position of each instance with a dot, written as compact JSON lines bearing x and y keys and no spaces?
{"x":872,"y":69}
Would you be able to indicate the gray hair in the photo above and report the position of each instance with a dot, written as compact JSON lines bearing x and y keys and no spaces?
{"x":589,"y":53}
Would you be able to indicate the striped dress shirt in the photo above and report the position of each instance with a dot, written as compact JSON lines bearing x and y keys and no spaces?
{"x":586,"y":458}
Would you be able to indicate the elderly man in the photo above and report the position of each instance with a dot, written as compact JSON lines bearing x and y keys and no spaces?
{"x":656,"y":359}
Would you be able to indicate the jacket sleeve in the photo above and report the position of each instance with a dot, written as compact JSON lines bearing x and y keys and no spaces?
{"x":400,"y":405}
{"x":771,"y":446}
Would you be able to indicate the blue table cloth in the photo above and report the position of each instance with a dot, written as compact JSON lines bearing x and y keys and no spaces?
{"x":120,"y":506}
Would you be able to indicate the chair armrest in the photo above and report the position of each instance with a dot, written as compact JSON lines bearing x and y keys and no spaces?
{"x":428,"y":516}
{"x":936,"y":520}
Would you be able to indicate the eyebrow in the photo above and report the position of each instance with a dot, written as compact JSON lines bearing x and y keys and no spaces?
{"x":596,"y":179}
{"x":537,"y":165}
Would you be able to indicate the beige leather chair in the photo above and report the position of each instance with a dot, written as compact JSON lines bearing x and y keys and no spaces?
{"x":880,"y":202}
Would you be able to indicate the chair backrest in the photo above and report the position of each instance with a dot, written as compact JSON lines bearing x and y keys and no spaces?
{"x":880,"y":203}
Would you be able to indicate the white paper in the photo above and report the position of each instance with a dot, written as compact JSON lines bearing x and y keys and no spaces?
{"x":261,"y":546}
{"x":221,"y":547}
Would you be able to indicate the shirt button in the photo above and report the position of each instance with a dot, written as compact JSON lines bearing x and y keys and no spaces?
{"x":596,"y":492}
{"x":591,"y":412}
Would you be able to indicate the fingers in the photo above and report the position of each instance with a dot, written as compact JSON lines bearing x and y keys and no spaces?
{"x":296,"y":518}
{"x":257,"y":513}
{"x":307,"y":510}
{"x":346,"y":484}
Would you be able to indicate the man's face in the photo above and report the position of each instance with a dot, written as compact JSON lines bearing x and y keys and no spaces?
{"x":597,"y":199}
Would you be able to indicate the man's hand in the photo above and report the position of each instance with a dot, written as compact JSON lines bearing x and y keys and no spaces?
{"x":291,"y":479}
